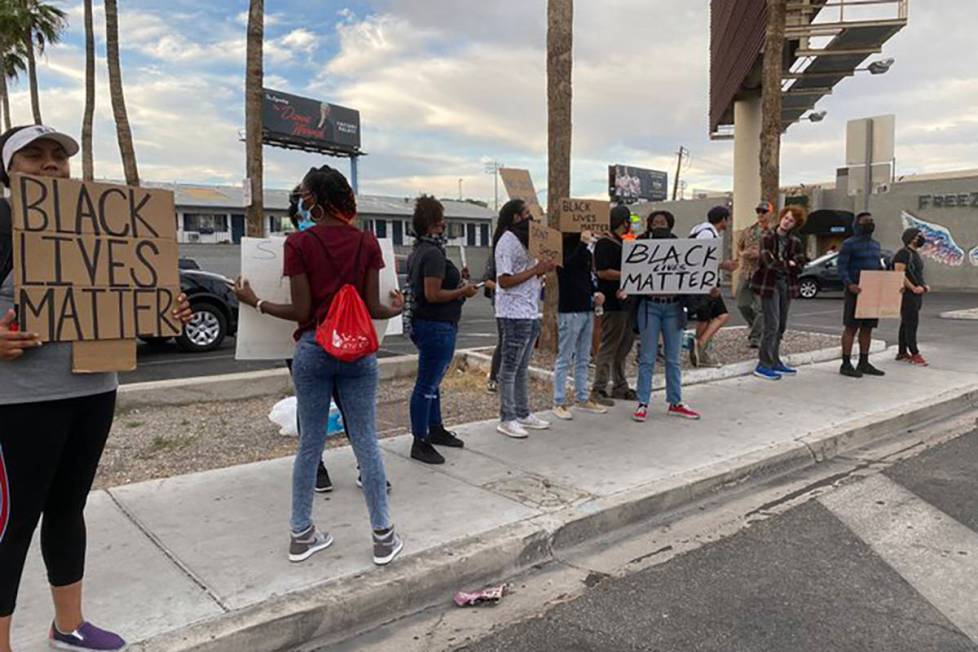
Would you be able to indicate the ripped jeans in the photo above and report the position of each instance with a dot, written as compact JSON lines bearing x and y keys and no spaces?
{"x":436,"y":348}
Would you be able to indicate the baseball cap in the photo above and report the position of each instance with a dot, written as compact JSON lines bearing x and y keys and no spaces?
{"x":764,"y":207}
{"x":18,"y":138}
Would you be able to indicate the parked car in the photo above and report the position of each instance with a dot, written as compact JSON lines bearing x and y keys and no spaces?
{"x":822,"y":274}
{"x":215,"y":310}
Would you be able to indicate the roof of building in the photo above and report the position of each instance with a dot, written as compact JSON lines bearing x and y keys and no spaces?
{"x":232,"y":198}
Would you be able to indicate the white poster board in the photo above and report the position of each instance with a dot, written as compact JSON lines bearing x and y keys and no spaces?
{"x":263,"y":337}
{"x":388,"y":282}
{"x":670,"y":266}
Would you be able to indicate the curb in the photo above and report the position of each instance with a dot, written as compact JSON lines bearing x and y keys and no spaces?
{"x":346,"y":607}
{"x":963,"y":315}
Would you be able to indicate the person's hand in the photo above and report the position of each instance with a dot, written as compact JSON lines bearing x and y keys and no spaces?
{"x":715,"y":293}
{"x":13,"y":343}
{"x":183,"y":310}
{"x":729,"y":265}
{"x":926,"y":288}
{"x":918,"y":289}
{"x":855,"y":289}
{"x":491,"y":284}
{"x":469,"y":290}
{"x":465,"y":273}
{"x":586,"y":236}
{"x":397,"y":299}
{"x":599,"y":298}
{"x":621,"y":295}
{"x":545,"y":267}
{"x":242,"y":290}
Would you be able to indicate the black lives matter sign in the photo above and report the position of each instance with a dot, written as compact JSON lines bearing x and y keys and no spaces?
{"x":94,"y":261}
{"x":670,"y":266}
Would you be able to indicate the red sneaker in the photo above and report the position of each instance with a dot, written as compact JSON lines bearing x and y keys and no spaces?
{"x":680,"y":410}
{"x":918,"y":360}
{"x":641,"y":413}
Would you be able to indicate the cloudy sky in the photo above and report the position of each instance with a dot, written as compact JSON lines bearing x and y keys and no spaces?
{"x":445,"y":85}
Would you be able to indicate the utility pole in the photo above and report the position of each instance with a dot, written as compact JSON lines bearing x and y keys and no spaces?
{"x":679,"y":168}
{"x":492,"y":167}
{"x":771,"y":127}
{"x":460,"y":190}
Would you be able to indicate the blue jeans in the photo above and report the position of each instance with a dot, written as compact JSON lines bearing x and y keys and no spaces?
{"x":316,"y":374}
{"x":518,"y":338}
{"x":654,"y":318}
{"x":574,"y":330}
{"x":436,"y":348}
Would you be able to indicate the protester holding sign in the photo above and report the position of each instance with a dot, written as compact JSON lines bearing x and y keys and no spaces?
{"x":710,"y":312}
{"x":909,"y":261}
{"x":858,"y":253}
{"x":776,"y":282}
{"x":439,"y":293}
{"x":518,"y":311}
{"x":53,"y":427}
{"x":663,"y":314}
{"x":575,"y":310}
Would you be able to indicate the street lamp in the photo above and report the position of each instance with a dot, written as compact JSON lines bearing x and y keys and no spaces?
{"x":817,"y":116}
{"x":880,"y":67}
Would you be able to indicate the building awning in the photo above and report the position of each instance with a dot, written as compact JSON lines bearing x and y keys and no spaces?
{"x":828,"y":222}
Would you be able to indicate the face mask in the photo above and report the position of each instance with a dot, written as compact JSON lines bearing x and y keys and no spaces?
{"x":920,"y":241}
{"x":660,"y":233}
{"x":304,"y":214}
{"x":867,"y":229}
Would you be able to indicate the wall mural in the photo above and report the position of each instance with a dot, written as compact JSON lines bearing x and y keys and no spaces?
{"x":940,"y":243}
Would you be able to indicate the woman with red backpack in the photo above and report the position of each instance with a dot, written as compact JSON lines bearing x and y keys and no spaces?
{"x":334,"y":269}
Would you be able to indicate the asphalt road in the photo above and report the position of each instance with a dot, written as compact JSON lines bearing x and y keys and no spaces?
{"x":478,"y":328}
{"x":889,"y":562}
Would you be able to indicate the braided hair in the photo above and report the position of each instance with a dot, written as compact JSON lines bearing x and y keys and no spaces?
{"x":332,"y":192}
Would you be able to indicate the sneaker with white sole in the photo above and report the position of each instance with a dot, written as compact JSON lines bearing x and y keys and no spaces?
{"x":386,"y":547}
{"x":641,"y":413}
{"x":562,"y":412}
{"x":591,"y":406}
{"x":305,"y":545}
{"x":533,"y":422}
{"x":512,"y":429}
{"x":87,"y":637}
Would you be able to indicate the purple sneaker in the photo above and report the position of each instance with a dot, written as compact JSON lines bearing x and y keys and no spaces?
{"x":87,"y":637}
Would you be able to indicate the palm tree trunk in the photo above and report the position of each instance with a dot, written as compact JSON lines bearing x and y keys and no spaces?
{"x":560,"y":60}
{"x":5,"y":101}
{"x":88,"y":165}
{"x":771,"y":101}
{"x":123,"y":132}
{"x":32,"y":75}
{"x":254,"y":80}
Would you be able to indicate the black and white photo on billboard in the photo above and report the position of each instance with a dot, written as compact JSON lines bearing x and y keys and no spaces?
{"x":627,"y":184}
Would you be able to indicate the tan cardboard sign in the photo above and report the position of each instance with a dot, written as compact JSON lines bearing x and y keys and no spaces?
{"x":578,"y":215}
{"x":546,"y":243}
{"x":879,"y":296}
{"x":519,"y":185}
{"x":94,"y":261}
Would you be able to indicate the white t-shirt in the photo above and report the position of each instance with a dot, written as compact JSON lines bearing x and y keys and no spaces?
{"x":704,"y":231}
{"x":520,"y":301}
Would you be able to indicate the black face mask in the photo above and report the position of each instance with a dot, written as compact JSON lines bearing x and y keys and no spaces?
{"x":661,"y":233}
{"x":920,"y":241}
{"x":867,"y":229}
{"x":522,"y":231}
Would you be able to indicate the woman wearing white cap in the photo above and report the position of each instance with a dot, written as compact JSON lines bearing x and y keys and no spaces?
{"x":53,"y":427}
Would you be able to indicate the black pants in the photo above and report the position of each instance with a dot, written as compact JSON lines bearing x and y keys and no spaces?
{"x":909,"y":320}
{"x":49,"y":452}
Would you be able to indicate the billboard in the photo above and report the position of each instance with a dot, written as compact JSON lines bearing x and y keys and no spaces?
{"x":290,"y":120}
{"x":628,"y":185}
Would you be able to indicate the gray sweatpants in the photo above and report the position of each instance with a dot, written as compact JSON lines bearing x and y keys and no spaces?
{"x":774,"y":310}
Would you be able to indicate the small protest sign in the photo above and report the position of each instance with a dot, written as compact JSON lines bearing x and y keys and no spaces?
{"x":519,"y":185}
{"x":93,"y":261}
{"x":879,"y":295}
{"x":670,"y":266}
{"x":546,"y":243}
{"x":578,"y":215}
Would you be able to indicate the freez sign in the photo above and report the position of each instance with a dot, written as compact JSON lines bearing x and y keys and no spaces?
{"x":953,"y":200}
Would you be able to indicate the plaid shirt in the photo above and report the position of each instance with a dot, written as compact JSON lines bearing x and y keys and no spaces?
{"x":766,"y":275}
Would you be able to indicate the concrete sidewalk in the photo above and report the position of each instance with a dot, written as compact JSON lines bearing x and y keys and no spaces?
{"x":199,"y":562}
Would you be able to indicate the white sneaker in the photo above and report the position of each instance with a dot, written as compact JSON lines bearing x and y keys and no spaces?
{"x":562,"y":412}
{"x":591,"y":406}
{"x":512,"y":429}
{"x":533,"y":422}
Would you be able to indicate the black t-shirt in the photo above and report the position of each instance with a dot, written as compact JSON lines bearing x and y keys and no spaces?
{"x":428,"y":261}
{"x":607,"y":255}
{"x":576,"y":291}
{"x":914,"y":263}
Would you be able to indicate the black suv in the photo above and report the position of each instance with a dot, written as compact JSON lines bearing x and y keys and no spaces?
{"x":822,"y":274}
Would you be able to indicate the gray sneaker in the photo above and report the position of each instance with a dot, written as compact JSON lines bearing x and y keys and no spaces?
{"x":386,"y":547}
{"x":305,"y":545}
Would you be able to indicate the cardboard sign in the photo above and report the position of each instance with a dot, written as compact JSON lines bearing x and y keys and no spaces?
{"x":94,"y":261}
{"x":578,"y":215}
{"x":670,"y":266}
{"x":879,"y":296}
{"x":546,"y":243}
{"x":519,"y":185}
{"x":102,"y":356}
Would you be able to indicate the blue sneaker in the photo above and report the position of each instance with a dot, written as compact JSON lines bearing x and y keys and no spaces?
{"x":767,"y":374}
{"x":784,"y":369}
{"x":88,"y":638}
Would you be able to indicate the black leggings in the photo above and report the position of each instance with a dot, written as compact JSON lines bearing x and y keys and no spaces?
{"x":49,"y":452}
{"x":909,"y":321}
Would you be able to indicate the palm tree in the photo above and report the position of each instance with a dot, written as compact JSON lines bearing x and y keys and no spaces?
{"x":254,"y":79}
{"x":88,"y":165}
{"x":123,"y":132}
{"x":560,"y":41}
{"x":38,"y":25}
{"x":773,"y":69}
{"x":12,"y":63}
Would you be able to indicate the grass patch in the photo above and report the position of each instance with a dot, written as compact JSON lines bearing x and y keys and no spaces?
{"x":162,"y":444}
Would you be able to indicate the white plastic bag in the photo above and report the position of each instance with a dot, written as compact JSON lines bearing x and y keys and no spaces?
{"x":284,"y":414}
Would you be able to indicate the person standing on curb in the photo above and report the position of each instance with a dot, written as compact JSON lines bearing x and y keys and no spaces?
{"x":908,"y":260}
{"x":575,"y":322}
{"x":439,"y":293}
{"x":53,"y":427}
{"x":710,"y":312}
{"x":617,"y":336}
{"x":776,"y":282}
{"x":518,"y":311}
{"x":663,"y":314}
{"x":858,"y":253}
{"x":749,"y":252}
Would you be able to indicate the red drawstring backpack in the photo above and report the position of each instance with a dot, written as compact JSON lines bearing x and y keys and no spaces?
{"x":347,"y":333}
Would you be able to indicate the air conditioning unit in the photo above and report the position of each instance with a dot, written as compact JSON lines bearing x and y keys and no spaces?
{"x":193,"y":236}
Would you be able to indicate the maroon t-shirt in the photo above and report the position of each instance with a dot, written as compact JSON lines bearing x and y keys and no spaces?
{"x":327,"y":255}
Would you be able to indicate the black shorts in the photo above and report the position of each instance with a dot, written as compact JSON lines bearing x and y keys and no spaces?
{"x":707,"y":308}
{"x":849,"y":315}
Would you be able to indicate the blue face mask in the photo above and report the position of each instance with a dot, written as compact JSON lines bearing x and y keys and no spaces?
{"x":306,"y":224}
{"x":305,"y":217}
